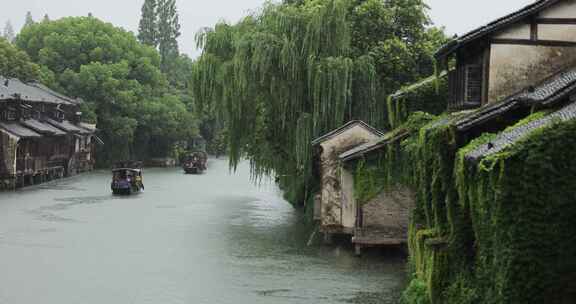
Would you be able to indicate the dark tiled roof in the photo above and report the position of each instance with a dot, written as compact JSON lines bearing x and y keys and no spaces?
{"x":4,"y":92}
{"x":344,"y":128}
{"x":550,"y":90}
{"x":41,"y":127}
{"x":90,"y":127}
{"x":67,"y":126}
{"x":547,"y":93}
{"x":494,"y":26}
{"x":512,"y":136}
{"x":18,"y":130}
{"x":54,"y":93}
{"x":371,"y":146}
{"x":28,"y":92}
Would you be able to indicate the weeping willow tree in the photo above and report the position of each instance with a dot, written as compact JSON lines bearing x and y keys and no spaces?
{"x":290,"y":73}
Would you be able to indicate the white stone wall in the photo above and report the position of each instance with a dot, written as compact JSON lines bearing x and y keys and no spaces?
{"x":514,"y":67}
{"x":335,"y":205}
{"x":8,"y":146}
{"x":517,"y":31}
{"x":559,"y":32}
{"x":563,"y":9}
{"x":348,"y":199}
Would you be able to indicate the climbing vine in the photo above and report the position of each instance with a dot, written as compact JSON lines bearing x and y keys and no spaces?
{"x":293,"y":72}
{"x":497,"y":230}
{"x":430,"y":96}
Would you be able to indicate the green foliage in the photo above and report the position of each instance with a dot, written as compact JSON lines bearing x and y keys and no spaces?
{"x":429,"y":95}
{"x":138,"y":113}
{"x":148,"y":27}
{"x":16,"y":63}
{"x":416,"y":293}
{"x":295,"y":71}
{"x":497,"y":231}
{"x":29,"y":20}
{"x":389,"y":166}
{"x":367,"y":183}
{"x":522,"y":213}
{"x":168,"y":33}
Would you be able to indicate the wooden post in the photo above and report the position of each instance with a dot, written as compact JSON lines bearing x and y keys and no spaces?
{"x":358,"y":250}
{"x":327,"y":238}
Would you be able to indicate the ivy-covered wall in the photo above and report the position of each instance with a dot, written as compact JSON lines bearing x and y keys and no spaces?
{"x":521,"y":203}
{"x":389,"y":166}
{"x":429,"y":95}
{"x":496,"y":231}
{"x":501,"y":229}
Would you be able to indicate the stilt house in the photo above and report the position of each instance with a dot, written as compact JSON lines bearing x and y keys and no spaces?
{"x":498,"y":74}
{"x":41,"y":136}
{"x":383,"y":219}
{"x":335,"y":208}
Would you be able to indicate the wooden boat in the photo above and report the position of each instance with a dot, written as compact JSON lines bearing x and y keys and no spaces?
{"x":127,"y":178}
{"x":195,"y":162}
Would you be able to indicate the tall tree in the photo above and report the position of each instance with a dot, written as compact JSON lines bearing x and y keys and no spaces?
{"x":168,"y":33}
{"x":16,"y":63}
{"x":295,"y":71}
{"x":46,"y":18}
{"x":138,"y":113}
{"x":9,"y":32}
{"x":148,"y":29}
{"x":29,"y":20}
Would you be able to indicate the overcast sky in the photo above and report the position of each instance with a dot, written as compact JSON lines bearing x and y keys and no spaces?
{"x":458,"y":16}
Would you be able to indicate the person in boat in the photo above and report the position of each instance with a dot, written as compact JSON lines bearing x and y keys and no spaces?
{"x":127,"y":181}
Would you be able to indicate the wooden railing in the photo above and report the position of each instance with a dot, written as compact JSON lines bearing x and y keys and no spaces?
{"x":31,"y":165}
{"x":83,"y":156}
{"x":25,"y":165}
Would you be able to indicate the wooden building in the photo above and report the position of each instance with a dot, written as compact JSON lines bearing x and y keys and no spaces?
{"x":499,"y":74}
{"x":510,"y":54}
{"x":335,"y":206}
{"x":384,"y":219}
{"x":41,"y":136}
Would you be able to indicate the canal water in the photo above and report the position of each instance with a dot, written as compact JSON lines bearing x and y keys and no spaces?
{"x":209,"y":239}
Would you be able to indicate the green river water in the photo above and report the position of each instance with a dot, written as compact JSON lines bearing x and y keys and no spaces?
{"x":208,"y":239}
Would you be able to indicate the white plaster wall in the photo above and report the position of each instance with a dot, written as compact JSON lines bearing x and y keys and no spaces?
{"x":563,"y":9}
{"x":354,"y":134}
{"x":8,"y":148}
{"x":318,"y":207}
{"x":561,"y":32}
{"x":515,"y":67}
{"x":348,"y":199}
{"x":517,"y":31}
{"x":332,"y":183}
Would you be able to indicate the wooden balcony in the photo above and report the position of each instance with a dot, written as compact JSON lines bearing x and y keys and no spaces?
{"x":34,"y":165}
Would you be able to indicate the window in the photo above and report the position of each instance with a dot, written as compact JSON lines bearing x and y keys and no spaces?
{"x":59,"y":115}
{"x":11,"y":115}
{"x":465,"y":86}
{"x":473,"y":84}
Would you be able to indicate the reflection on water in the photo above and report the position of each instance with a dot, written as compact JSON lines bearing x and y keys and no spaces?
{"x":213,"y":238}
